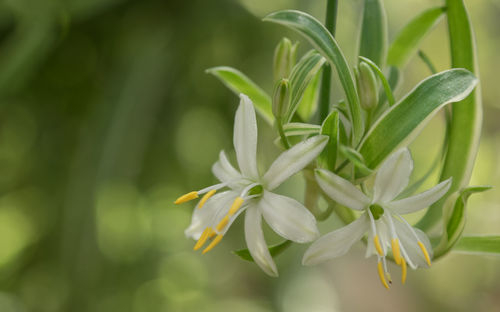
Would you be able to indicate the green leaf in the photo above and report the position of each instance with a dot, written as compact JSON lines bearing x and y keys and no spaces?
{"x":309,"y":102}
{"x":324,"y":42}
{"x":465,"y":126}
{"x":403,"y":121}
{"x":298,"y":128}
{"x":302,"y":74}
{"x":237,"y":82}
{"x":381,"y":76}
{"x":408,"y":39}
{"x":479,"y":245}
{"x":330,"y":128}
{"x":373,"y":37}
{"x":356,"y":159}
{"x":273,"y":250}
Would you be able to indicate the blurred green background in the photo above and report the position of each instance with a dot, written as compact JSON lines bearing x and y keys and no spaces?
{"x":107,"y":116}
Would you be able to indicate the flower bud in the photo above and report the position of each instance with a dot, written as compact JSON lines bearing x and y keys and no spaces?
{"x":284,"y":59}
{"x":367,"y":86}
{"x":280,"y":98}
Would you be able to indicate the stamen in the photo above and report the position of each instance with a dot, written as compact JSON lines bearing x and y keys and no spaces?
{"x":426,"y":254}
{"x":395,"y":250}
{"x":212,"y":234}
{"x":222,"y":224}
{"x":203,"y":239}
{"x":205,"y":198}
{"x":235,"y":206}
{"x":186,"y":197}
{"x":213,"y":243}
{"x":378,"y":246}
{"x":403,"y":271}
{"x":381,"y":274}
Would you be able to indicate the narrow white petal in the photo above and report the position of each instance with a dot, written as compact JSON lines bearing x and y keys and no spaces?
{"x":256,"y":243}
{"x":341,"y":190}
{"x":204,"y":217}
{"x":223,"y":169}
{"x":410,"y":244}
{"x":336,"y":243}
{"x":420,"y":201}
{"x":384,"y":238}
{"x":294,"y":160}
{"x":289,"y":218}
{"x":393,"y":176}
{"x":245,"y":138}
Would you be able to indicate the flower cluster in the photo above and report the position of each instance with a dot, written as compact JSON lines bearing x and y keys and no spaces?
{"x":248,"y":191}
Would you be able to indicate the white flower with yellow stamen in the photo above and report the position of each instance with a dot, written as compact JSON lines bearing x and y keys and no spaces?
{"x":251,"y":192}
{"x":381,"y":219}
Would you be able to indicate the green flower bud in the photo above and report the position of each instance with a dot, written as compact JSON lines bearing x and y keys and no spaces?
{"x":280,"y":98}
{"x":367,"y":86}
{"x":284,"y":59}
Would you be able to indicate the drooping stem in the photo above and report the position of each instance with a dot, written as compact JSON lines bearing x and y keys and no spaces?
{"x":326,"y":79}
{"x":281,"y":131}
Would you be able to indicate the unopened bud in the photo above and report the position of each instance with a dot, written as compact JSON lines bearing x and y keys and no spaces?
{"x":284,"y":59}
{"x":280,"y":98}
{"x":367,"y":86}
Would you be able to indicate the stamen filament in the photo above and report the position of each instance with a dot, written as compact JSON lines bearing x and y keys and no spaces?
{"x":222,"y":224}
{"x":382,"y":275}
{"x":203,"y":239}
{"x":235,"y":206}
{"x":403,"y":271}
{"x":213,"y":243}
{"x":378,"y":246}
{"x":205,"y":198}
{"x":395,"y":251}
{"x":186,"y":197}
{"x":426,"y":254}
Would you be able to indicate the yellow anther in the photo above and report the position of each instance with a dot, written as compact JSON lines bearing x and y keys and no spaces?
{"x":235,"y":206}
{"x":395,"y":251}
{"x":186,"y":197}
{"x":213,"y":243}
{"x":378,"y":246}
{"x":211,"y":234}
{"x":203,"y":238}
{"x":205,"y":198}
{"x":426,"y":254}
{"x":381,"y":274}
{"x":403,"y":271}
{"x":222,"y":224}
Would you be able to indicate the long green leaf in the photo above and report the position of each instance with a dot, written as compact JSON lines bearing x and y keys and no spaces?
{"x":301,"y":76}
{"x":324,"y":42}
{"x":298,"y":128}
{"x":408,"y":39}
{"x":399,"y":125}
{"x":481,"y":245}
{"x":273,"y":250}
{"x":373,"y":37}
{"x":237,"y":82}
{"x":465,"y":126}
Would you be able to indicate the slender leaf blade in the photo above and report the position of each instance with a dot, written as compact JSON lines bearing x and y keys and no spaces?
{"x":324,"y":42}
{"x":273,"y":250}
{"x":399,"y":125}
{"x":408,"y":39}
{"x":309,"y":102}
{"x":298,"y":128}
{"x":238,"y":82}
{"x":373,"y":36}
{"x":479,"y":245}
{"x":331,"y":128}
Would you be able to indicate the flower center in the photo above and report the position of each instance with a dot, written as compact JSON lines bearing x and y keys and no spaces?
{"x":256,"y":190}
{"x":376,"y":210}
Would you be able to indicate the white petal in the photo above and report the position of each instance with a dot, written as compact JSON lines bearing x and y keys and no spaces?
{"x":420,"y":201}
{"x":245,"y":138}
{"x":294,"y":160}
{"x":410,"y":244}
{"x":256,"y":243}
{"x":289,"y":218}
{"x":341,"y":190}
{"x":393,"y":176}
{"x":223,"y":169}
{"x":336,"y":243}
{"x":204,"y":217}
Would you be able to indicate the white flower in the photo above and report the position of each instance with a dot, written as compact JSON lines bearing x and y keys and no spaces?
{"x":381,"y":218}
{"x":251,"y":192}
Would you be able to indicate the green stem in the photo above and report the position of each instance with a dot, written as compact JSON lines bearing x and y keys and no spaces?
{"x":284,"y":140}
{"x":324,"y":96}
{"x":426,"y":59}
